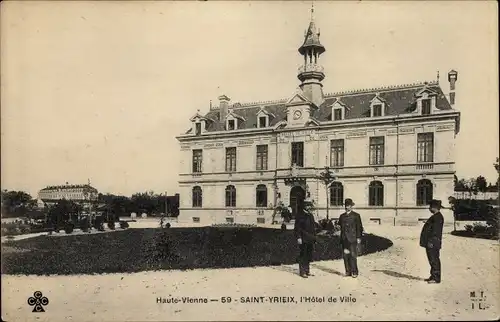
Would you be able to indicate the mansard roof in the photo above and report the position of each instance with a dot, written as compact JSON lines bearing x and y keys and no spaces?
{"x":398,"y":100}
{"x":72,"y":186}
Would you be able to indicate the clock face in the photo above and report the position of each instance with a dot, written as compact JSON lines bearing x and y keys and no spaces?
{"x":297,"y":115}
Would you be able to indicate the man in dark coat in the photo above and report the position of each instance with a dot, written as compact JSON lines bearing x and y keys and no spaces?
{"x":305,"y":233}
{"x":431,"y":239}
{"x":351,"y":231}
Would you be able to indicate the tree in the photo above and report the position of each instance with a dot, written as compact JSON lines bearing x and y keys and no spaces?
{"x":148,"y":202}
{"x":117,"y":205}
{"x":61,"y":212}
{"x":481,"y":184}
{"x":327,"y":177}
{"x":471,"y":187}
{"x":460,"y":185}
{"x":15,"y":203}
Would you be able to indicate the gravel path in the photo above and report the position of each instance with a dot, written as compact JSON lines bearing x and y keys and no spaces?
{"x":389,"y":287}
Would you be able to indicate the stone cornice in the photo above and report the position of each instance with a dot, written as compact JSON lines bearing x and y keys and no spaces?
{"x":351,"y":123}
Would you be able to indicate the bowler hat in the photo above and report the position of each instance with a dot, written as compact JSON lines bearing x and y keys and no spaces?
{"x":434,"y":203}
{"x":348,"y":202}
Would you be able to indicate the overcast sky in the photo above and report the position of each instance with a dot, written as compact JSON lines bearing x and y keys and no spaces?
{"x":100,"y":90}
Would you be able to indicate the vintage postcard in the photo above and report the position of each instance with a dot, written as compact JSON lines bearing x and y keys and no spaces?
{"x":249,"y":160}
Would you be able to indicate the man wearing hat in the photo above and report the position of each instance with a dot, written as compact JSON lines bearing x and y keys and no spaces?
{"x":351,"y":231}
{"x":430,"y":239}
{"x":305,"y":232}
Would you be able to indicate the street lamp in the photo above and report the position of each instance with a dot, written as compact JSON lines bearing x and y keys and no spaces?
{"x":327,"y":178}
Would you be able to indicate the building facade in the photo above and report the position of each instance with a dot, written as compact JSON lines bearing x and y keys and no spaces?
{"x":80,"y":193}
{"x":390,"y":149}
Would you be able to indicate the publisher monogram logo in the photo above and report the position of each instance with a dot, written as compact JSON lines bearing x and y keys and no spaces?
{"x":38,"y":301}
{"x":478,"y":300}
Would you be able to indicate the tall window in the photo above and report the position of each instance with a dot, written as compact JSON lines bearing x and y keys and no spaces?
{"x":230,"y":196}
{"x":377,"y":110}
{"x":424,"y":192}
{"x":197,"y":161}
{"x":198,"y":128}
{"x":426,"y":106}
{"x":298,"y":153}
{"x":337,"y":114}
{"x":231,"y":125}
{"x":197,"y":197}
{"x":376,"y":194}
{"x":377,"y":150}
{"x":231,"y":159}
{"x":261,"y":196}
{"x":336,"y":194}
{"x":261,"y":157}
{"x":262,"y":121}
{"x":337,"y":153}
{"x":425,"y":147}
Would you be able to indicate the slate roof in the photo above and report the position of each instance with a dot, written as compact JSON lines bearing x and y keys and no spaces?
{"x":398,"y":100}
{"x":63,"y":187}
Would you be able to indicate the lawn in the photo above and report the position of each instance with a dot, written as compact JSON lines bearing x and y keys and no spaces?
{"x":135,"y":250}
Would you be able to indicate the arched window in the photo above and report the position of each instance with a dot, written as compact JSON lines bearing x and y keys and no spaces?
{"x":230,"y":196}
{"x":336,"y":194}
{"x":197,"y":197}
{"x":261,"y":196}
{"x":376,"y":193}
{"x":424,"y":192}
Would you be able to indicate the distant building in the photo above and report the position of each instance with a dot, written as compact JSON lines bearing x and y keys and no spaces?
{"x":391,"y":149}
{"x":79,"y":193}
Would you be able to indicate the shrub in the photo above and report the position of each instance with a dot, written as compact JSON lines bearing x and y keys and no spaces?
{"x":168,"y":225}
{"x":479,"y":228}
{"x":68,"y":228}
{"x":468,"y":228}
{"x":111,"y":225}
{"x":25,"y":229}
{"x":124,"y":224}
{"x":99,"y":223}
{"x":283,"y":227}
{"x":84,"y":224}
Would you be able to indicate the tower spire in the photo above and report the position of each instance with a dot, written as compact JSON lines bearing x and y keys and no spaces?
{"x":311,"y":73}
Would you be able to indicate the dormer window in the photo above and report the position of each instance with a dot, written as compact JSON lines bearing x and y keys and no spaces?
{"x":231,"y":125}
{"x":377,"y":110}
{"x":377,"y":106}
{"x":198,"y":128}
{"x":426,"y":101}
{"x":337,"y":114}
{"x":426,"y":106}
{"x":264,"y":117}
{"x":262,"y":121}
{"x":199,"y":124}
{"x":339,"y":110}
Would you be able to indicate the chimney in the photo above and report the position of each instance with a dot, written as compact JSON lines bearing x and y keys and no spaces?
{"x":223,"y":107}
{"x":452,"y":78}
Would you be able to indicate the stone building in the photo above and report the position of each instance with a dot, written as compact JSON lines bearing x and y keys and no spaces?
{"x":79,"y":193}
{"x":390,"y":149}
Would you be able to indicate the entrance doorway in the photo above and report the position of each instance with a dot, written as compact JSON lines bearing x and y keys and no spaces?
{"x":297,"y":196}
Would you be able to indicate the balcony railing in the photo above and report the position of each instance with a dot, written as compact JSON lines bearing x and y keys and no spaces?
{"x":425,"y":166}
{"x":311,"y":68}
